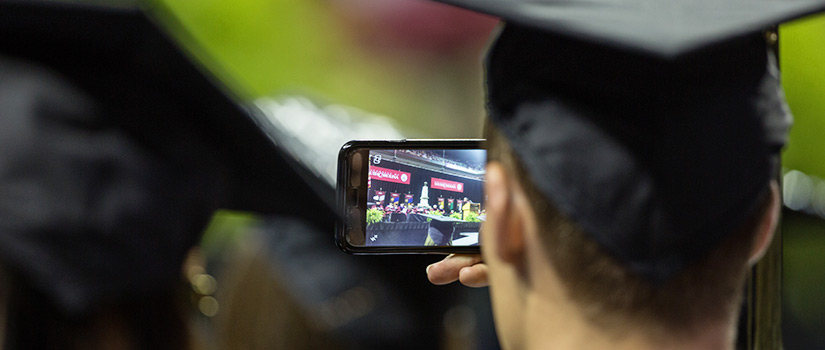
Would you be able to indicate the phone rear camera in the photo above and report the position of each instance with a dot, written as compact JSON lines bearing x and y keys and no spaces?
{"x":356,"y":170}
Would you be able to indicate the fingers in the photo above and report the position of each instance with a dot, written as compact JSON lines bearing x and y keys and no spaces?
{"x":474,"y":276}
{"x":450,"y":269}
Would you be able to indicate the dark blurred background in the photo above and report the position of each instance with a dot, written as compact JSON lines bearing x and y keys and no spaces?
{"x":419,"y":64}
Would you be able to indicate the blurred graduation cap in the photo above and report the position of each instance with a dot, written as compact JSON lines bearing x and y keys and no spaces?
{"x":659,"y":28}
{"x":655,"y":125}
{"x":116,"y":146}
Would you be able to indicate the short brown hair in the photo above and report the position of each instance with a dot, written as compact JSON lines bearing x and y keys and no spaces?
{"x":613,"y":297}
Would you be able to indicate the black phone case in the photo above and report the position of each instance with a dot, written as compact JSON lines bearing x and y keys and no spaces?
{"x":343,"y":188}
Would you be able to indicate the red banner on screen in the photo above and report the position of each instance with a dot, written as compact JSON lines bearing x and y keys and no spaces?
{"x":394,"y":197}
{"x":408,"y":198}
{"x":448,"y":185}
{"x":384,"y":174}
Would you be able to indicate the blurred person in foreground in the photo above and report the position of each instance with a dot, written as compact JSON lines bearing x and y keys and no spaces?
{"x":115,"y":150}
{"x":630,"y":170}
{"x":94,"y":224}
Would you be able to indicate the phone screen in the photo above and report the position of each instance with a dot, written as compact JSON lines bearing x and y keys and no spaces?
{"x":424,"y":197}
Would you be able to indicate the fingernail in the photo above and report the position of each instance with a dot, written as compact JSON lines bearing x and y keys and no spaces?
{"x":428,"y":268}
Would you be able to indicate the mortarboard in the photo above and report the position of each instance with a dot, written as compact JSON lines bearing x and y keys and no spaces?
{"x":655,"y":125}
{"x":116,"y":148}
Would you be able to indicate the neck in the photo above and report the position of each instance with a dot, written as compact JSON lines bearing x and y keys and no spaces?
{"x":552,"y":324}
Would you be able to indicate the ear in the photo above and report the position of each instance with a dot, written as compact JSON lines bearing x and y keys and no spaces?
{"x":767,"y":226}
{"x":506,"y":221}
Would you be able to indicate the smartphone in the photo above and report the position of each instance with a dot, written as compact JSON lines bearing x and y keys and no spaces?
{"x":411,"y":196}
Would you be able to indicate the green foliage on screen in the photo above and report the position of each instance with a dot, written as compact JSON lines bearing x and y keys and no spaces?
{"x":472,"y":217}
{"x":374,"y":215}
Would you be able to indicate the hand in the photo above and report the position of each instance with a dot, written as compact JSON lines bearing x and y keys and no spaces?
{"x":467,"y":269}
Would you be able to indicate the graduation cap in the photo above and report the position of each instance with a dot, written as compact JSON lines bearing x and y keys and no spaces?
{"x":655,"y":125}
{"x":115,"y":148}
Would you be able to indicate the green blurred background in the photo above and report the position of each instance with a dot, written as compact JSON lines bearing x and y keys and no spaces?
{"x":802,"y":62}
{"x":325,"y":50}
{"x":313,"y":47}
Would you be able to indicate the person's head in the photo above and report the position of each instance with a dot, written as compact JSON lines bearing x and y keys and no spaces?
{"x":530,"y":244}
{"x":631,"y":191}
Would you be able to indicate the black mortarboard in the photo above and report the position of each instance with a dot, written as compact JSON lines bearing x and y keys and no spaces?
{"x":116,"y":148}
{"x":653,"y":124}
